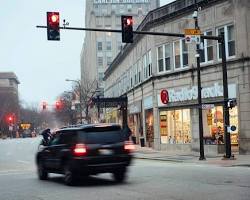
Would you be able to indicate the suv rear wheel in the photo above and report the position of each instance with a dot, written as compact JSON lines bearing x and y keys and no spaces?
{"x":119,"y":175}
{"x":42,"y":173}
{"x":69,"y":176}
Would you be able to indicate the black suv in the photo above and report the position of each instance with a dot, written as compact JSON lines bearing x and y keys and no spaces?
{"x":85,"y":150}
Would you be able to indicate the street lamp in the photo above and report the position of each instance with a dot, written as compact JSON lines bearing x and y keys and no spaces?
{"x":80,"y":94}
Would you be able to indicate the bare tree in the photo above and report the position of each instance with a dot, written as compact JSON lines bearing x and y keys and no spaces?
{"x":86,"y":90}
{"x":65,"y":114}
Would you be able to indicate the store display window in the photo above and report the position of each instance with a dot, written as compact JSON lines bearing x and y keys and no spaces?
{"x":149,"y":127}
{"x":175,"y":126}
{"x":213,"y":123}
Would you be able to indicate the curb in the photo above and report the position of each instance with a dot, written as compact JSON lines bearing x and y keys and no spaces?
{"x":160,"y":159}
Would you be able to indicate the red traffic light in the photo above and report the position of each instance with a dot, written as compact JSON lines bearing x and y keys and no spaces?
{"x":58,"y":105}
{"x":127,"y":29}
{"x":10,"y":119}
{"x":54,"y":18}
{"x":129,"y":22}
{"x":53,"y":26}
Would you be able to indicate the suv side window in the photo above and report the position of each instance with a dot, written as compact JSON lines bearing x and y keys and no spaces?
{"x":55,"y":140}
{"x":67,"y":138}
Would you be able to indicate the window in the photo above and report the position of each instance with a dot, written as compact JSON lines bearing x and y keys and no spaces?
{"x":160,"y":59}
{"x":164,"y":64}
{"x":100,"y":61}
{"x":67,"y":138}
{"x":113,"y":7}
{"x":175,"y":126}
{"x":167,"y":57}
{"x":135,"y":74}
{"x":184,"y":53}
{"x":108,"y":27}
{"x":108,"y":45}
{"x":100,"y":76}
{"x":206,"y":54}
{"x":139,"y":70}
{"x":122,"y":8}
{"x":229,"y":34}
{"x":145,"y":68}
{"x":131,"y":77}
{"x":129,"y":6}
{"x":231,"y":40}
{"x":99,"y":46}
{"x":109,"y":60}
{"x":149,"y":63}
{"x":177,"y":57}
{"x":180,"y":50}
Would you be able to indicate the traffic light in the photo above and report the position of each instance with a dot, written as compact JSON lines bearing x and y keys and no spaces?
{"x":44,"y":105}
{"x":127,"y":29}
{"x":53,"y":30}
{"x":10,"y":119}
{"x":58,"y":105}
{"x":231,"y":103}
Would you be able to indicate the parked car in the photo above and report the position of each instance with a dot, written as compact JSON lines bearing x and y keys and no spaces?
{"x":26,"y":133}
{"x":85,"y":150}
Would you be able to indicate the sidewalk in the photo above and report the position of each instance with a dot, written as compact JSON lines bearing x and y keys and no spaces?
{"x":151,"y":154}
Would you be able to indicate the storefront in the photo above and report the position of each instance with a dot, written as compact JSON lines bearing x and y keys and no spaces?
{"x":178,"y":118}
{"x":135,"y":120}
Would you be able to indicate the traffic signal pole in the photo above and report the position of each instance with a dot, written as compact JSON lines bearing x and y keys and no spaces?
{"x":202,"y":156}
{"x":227,"y":138}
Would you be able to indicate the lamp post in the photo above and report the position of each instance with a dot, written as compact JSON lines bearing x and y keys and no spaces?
{"x":80,"y":94}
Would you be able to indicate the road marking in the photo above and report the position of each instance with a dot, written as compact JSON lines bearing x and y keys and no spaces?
{"x":23,"y":161}
{"x":15,"y":172}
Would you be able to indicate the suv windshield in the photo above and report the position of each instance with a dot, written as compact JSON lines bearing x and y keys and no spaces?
{"x":98,"y":135}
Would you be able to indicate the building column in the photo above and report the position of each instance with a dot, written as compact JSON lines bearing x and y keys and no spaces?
{"x":244,"y":112}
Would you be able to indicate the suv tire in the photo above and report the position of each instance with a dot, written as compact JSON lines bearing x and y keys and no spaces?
{"x":69,"y":176}
{"x":42,"y":173}
{"x":119,"y":175}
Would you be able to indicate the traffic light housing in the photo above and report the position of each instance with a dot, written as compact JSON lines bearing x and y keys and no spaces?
{"x":231,"y":103}
{"x":53,"y":27}
{"x":127,"y":29}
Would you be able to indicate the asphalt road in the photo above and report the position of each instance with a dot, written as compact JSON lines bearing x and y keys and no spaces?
{"x":147,"y":179}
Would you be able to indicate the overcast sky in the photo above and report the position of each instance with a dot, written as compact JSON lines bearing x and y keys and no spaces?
{"x":40,"y":65}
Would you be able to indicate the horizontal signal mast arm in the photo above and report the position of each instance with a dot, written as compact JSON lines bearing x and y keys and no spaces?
{"x":136,"y":32}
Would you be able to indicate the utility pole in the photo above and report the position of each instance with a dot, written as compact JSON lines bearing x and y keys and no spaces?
{"x":202,"y":157}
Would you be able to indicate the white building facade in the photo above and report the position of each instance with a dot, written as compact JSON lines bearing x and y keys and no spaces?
{"x":100,"y":48}
{"x":156,"y":63}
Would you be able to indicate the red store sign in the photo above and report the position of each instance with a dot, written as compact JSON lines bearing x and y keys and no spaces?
{"x":164,"y":97}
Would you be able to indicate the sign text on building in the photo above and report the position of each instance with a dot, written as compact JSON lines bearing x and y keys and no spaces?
{"x":188,"y":94}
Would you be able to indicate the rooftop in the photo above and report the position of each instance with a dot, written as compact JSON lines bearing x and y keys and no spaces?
{"x":9,"y":75}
